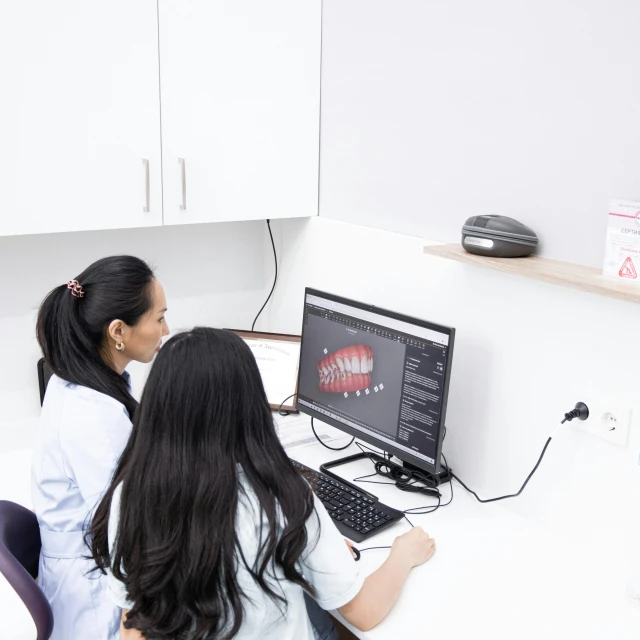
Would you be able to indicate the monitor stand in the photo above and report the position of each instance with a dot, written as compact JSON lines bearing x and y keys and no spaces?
{"x":437,"y":479}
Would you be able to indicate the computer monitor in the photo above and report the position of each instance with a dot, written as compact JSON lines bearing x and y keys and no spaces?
{"x":378,"y":375}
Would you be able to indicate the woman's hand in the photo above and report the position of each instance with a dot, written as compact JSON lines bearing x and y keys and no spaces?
{"x":414,"y":547}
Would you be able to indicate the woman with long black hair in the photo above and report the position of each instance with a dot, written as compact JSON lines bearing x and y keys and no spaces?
{"x":89,"y":330}
{"x":208,"y":531}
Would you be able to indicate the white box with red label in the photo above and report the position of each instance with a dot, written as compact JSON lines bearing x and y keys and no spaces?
{"x":622,"y":254}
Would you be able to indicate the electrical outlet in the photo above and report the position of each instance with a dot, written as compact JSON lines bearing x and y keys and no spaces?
{"x":608,"y":419}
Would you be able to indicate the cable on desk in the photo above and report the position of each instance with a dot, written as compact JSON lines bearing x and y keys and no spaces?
{"x":362,"y":448}
{"x":417,"y":478}
{"x":581,"y":411}
{"x":326,"y":445}
{"x":403,"y":479}
{"x":389,"y":547}
{"x":280,"y":411}
{"x":420,"y":511}
{"x":286,"y":413}
{"x":370,"y":548}
{"x":511,"y":495}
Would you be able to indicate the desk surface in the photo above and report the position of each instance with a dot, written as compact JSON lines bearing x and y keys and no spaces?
{"x":495,"y":575}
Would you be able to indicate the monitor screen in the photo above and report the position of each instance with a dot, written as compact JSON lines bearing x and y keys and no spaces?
{"x":378,"y":375}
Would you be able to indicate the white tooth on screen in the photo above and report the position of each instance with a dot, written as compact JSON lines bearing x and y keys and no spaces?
{"x":347,"y":365}
{"x":340,"y":363}
{"x":364,"y":366}
{"x":355,"y":364}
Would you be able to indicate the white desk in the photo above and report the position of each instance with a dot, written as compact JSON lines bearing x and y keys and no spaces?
{"x":495,"y":575}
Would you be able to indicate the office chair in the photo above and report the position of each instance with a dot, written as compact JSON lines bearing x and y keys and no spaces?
{"x":19,"y":555}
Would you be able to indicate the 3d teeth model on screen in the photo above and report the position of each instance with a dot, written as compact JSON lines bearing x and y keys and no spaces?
{"x":346,"y":369}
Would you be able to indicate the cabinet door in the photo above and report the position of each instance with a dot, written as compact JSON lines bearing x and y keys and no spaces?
{"x":79,"y":116}
{"x":240,"y":94}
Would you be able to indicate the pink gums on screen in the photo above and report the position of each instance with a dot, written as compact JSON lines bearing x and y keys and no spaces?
{"x":346,"y":369}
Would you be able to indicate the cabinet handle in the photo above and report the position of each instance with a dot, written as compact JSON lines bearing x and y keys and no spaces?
{"x":147,"y":190}
{"x":183,"y":182}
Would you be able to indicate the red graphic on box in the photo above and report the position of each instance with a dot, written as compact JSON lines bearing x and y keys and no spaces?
{"x":346,"y":369}
{"x":628,"y":269}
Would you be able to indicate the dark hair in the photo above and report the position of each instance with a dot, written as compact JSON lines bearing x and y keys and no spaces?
{"x":203,"y":413}
{"x":71,"y":330}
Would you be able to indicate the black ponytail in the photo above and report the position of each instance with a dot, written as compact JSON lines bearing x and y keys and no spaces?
{"x":71,"y":330}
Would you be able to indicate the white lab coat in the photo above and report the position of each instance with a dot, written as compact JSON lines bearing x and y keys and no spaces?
{"x":81,"y":436}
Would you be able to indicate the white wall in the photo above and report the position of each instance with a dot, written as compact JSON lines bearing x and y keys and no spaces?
{"x":525,"y":352}
{"x":436,"y":111}
{"x":213,"y":274}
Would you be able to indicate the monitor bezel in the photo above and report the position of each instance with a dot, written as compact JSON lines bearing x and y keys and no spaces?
{"x":405,"y":456}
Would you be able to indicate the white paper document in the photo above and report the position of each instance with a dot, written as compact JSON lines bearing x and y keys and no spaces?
{"x":622,"y":254}
{"x":278,"y":364}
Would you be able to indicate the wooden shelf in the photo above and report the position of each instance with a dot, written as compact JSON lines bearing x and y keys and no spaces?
{"x":564,"y":274}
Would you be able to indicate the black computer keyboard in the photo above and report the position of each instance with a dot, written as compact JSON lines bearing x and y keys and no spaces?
{"x":357,"y":513}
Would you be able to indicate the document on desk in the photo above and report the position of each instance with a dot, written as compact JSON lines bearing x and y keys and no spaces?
{"x":294,"y":432}
{"x":278,"y":364}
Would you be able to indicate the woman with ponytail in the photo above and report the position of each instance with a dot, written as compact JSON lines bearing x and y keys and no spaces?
{"x":89,"y":330}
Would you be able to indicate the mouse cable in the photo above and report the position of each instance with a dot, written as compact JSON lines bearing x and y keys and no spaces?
{"x":275,"y":260}
{"x":388,"y":547}
{"x":581,"y":412}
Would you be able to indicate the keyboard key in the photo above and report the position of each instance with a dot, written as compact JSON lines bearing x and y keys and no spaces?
{"x":346,"y":505}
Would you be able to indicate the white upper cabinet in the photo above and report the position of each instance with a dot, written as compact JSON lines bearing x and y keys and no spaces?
{"x":240,"y":94}
{"x":79,"y":116}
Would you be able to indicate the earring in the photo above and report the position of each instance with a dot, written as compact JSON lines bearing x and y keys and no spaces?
{"x":120,"y":346}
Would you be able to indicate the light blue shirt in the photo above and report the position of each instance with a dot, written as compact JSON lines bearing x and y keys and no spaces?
{"x":81,"y":436}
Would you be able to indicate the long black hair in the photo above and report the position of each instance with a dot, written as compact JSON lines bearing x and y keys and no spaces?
{"x":203,"y":414}
{"x":71,"y":330}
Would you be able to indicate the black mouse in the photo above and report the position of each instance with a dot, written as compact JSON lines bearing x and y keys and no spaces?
{"x":357,"y":552}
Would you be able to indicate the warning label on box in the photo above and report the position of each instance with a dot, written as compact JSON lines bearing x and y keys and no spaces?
{"x":622,"y":254}
{"x":628,"y":270}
